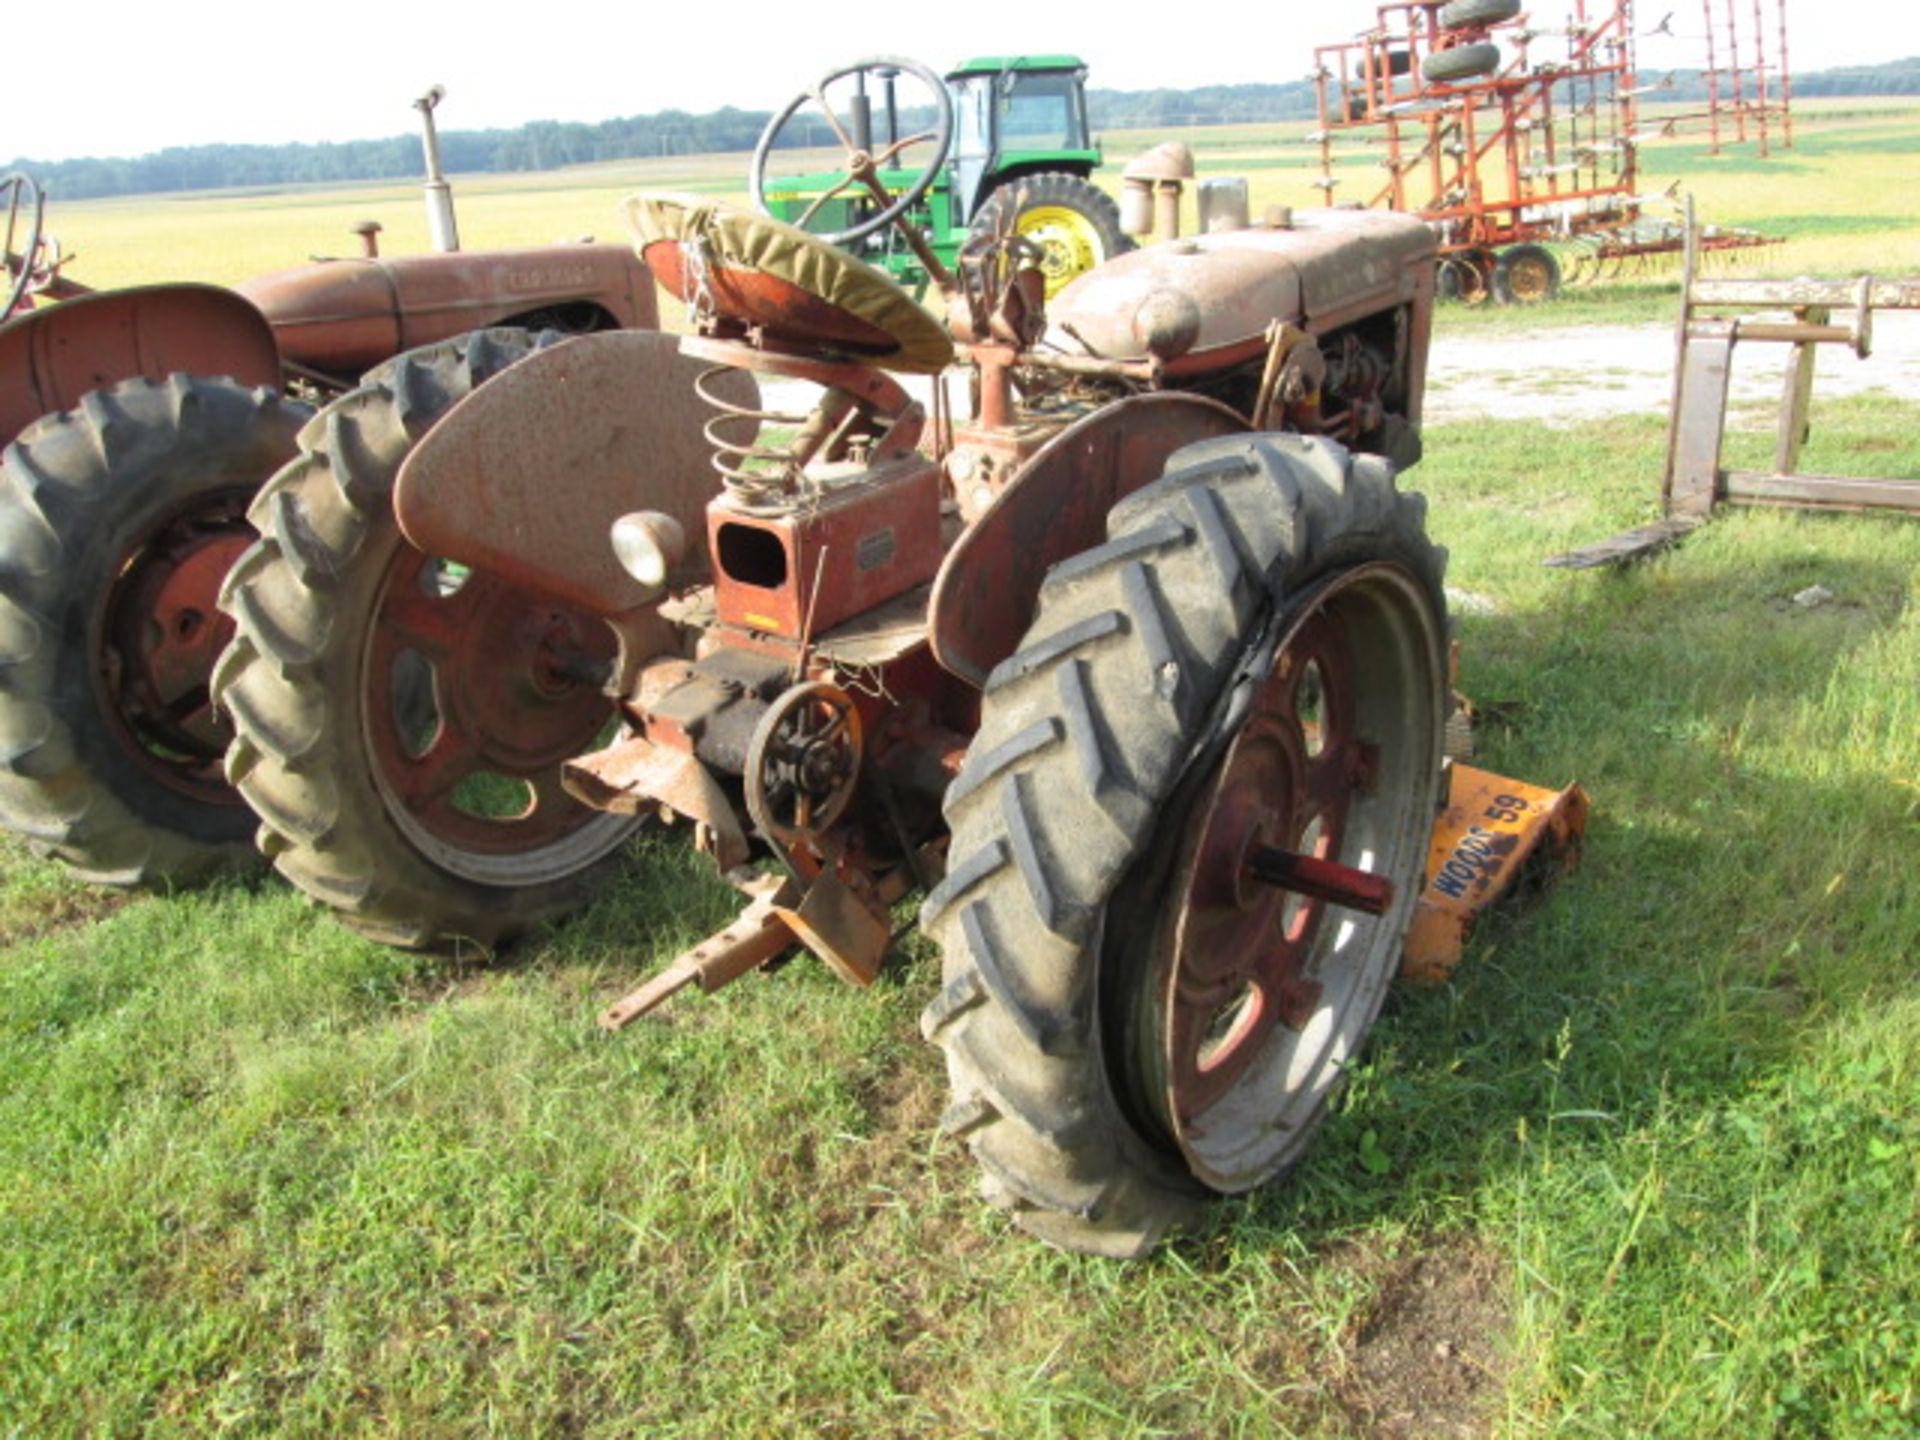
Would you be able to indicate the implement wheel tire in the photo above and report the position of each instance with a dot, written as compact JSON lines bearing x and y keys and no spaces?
{"x":426,"y":815}
{"x":1075,"y":223}
{"x":1526,"y":275}
{"x":1099,"y":759}
{"x":1466,"y":14}
{"x":118,"y":520}
{"x":1462,"y":62}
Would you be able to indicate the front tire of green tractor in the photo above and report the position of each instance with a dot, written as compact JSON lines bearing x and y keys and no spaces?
{"x":1075,"y":223}
{"x":118,"y":521}
{"x":399,"y":722}
{"x":1253,"y":659}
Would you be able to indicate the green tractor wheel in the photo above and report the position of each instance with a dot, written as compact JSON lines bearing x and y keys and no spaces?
{"x":1075,"y":224}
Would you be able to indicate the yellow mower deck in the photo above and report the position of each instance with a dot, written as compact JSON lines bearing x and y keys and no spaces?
{"x":1493,"y":833}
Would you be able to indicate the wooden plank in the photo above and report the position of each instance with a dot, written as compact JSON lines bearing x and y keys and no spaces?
{"x":1796,"y":397}
{"x":1832,"y":492}
{"x":1892,"y":294}
{"x":1698,"y":419}
{"x":1626,"y":547}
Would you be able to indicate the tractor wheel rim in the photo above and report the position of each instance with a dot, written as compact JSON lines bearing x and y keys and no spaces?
{"x":161,"y":636}
{"x":1069,"y":243}
{"x":1261,"y":994}
{"x":1527,"y":281}
{"x":474,"y":694}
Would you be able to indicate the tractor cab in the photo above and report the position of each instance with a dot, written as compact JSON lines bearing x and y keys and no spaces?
{"x":1015,"y":116}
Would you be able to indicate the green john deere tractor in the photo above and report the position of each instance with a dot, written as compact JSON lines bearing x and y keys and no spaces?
{"x":1002,"y":145}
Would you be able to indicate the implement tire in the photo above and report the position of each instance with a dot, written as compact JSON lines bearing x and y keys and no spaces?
{"x":1462,"y":63}
{"x":1471,"y":14}
{"x":118,"y":519}
{"x":1092,"y":738}
{"x":338,"y":618}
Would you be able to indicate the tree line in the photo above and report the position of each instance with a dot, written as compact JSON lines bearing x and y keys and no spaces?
{"x":551,"y":144}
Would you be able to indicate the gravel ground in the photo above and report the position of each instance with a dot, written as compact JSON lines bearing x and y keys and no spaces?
{"x":1561,"y":375}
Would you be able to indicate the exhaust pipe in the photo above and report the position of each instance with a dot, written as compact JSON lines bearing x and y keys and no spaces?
{"x":443,"y":233}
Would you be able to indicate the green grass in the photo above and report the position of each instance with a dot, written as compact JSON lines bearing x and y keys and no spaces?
{"x":260,"y":1177}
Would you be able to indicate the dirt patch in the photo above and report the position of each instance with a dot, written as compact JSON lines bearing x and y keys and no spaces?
{"x":1429,"y":1356}
{"x":45,"y":914}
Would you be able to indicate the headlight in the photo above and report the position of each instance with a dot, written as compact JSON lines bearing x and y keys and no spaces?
{"x":649,"y":546}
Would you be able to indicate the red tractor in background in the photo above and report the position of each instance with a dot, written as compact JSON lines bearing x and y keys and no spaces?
{"x":136,"y":426}
{"x":1137,"y":666}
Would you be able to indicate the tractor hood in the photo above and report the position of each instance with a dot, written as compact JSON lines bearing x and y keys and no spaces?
{"x":344,"y":316}
{"x":1327,"y":268}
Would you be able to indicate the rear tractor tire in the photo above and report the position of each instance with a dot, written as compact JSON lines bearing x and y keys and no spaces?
{"x":118,"y":521}
{"x":400,"y":722}
{"x":1075,"y":223}
{"x":1130,"y":1019}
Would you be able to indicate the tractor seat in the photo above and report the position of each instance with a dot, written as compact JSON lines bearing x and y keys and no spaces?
{"x":799,"y":290}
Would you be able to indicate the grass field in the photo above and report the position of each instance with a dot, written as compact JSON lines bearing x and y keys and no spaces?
{"x":1647,"y":1167}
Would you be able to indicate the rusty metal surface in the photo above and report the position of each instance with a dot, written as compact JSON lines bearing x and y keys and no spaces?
{"x":525,"y":476}
{"x":860,"y":538}
{"x":1244,"y":928}
{"x":472,"y":679}
{"x":162,"y":635}
{"x":345,"y":316}
{"x":1056,"y":506}
{"x":1486,"y":840}
{"x":881,"y":636}
{"x":1329,"y":267}
{"x":755,"y":936}
{"x":836,"y":923}
{"x":779,"y":306}
{"x":803,"y":762}
{"x":49,"y":358}
{"x":633,"y":776}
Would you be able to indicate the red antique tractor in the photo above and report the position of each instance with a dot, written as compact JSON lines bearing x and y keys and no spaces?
{"x":136,"y":426}
{"x":1137,"y":668}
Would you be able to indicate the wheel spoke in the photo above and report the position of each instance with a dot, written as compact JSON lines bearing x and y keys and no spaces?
{"x":428,"y":779}
{"x":800,"y":223}
{"x":833,"y":121}
{"x":888,"y":155}
{"x":430,"y":624}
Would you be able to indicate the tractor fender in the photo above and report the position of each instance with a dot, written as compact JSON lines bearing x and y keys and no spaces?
{"x":342,"y":317}
{"x":51,"y":357}
{"x":1055,"y":506}
{"x":526,"y":475}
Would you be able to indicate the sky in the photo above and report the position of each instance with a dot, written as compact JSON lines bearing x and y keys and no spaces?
{"x":144,"y":76}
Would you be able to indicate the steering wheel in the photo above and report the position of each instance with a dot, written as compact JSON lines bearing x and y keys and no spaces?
{"x":16,"y":190}
{"x":861,"y":162}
